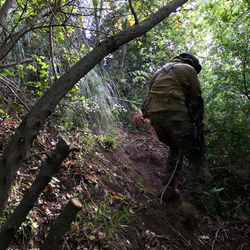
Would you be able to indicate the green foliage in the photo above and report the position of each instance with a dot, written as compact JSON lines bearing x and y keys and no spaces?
{"x":214,"y":200}
{"x":91,"y":104}
{"x":216,"y":31}
{"x":40,"y":75}
{"x":227,"y":87}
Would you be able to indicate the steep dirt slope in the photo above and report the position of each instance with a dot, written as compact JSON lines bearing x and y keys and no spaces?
{"x":119,"y":185}
{"x":159,"y":226}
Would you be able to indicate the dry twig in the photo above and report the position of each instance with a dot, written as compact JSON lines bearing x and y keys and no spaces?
{"x":176,"y":231}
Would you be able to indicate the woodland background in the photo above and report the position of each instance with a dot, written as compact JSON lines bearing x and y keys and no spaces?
{"x":45,"y":44}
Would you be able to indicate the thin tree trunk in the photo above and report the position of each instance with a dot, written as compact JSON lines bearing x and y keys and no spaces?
{"x":61,"y":225}
{"x":15,"y":37}
{"x":5,"y":12}
{"x":98,"y":15}
{"x":34,"y":120}
{"x":122,"y":56}
{"x":50,"y":166}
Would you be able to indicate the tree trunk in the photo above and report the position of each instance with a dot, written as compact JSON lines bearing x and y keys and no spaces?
{"x":4,"y":13}
{"x":34,"y":120}
{"x":15,"y":37}
{"x":122,"y":56}
{"x":61,"y":225}
{"x":98,"y":15}
{"x":50,"y":166}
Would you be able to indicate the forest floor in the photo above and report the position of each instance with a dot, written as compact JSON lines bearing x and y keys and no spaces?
{"x":118,"y":183}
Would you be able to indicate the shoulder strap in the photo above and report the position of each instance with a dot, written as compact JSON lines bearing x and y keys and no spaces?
{"x":169,"y":68}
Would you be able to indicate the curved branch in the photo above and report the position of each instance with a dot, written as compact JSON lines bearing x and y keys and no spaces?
{"x":34,"y":120}
{"x":16,"y":63}
{"x":15,"y":37}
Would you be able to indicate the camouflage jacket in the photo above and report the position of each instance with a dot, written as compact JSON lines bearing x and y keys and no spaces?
{"x":167,"y":89}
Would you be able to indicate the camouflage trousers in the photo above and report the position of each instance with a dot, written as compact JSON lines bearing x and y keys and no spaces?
{"x":177,"y":131}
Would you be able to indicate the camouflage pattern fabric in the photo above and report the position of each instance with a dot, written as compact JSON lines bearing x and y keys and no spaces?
{"x":167,"y":89}
{"x":177,"y":131}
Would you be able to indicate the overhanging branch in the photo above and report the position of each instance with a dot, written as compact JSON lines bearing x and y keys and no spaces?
{"x":15,"y":37}
{"x":34,"y":120}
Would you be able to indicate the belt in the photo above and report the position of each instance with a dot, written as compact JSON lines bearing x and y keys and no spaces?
{"x":168,"y":100}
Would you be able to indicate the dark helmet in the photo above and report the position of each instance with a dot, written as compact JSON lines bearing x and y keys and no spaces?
{"x":192,"y":60}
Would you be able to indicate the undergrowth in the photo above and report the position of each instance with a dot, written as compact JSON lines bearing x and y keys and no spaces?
{"x":227,"y":191}
{"x":100,"y":222}
{"x":89,"y":117}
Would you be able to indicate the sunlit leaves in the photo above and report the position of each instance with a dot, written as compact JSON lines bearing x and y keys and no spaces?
{"x":83,"y":48}
{"x":227,"y":77}
{"x":131,"y":20}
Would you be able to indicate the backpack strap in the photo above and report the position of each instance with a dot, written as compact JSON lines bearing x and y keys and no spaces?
{"x":169,"y":68}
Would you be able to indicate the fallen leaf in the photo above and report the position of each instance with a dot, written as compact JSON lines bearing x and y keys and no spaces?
{"x":111,"y":192}
{"x":92,"y":238}
{"x":204,"y":237}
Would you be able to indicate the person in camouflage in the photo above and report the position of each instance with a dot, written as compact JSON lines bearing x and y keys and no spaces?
{"x":171,"y":103}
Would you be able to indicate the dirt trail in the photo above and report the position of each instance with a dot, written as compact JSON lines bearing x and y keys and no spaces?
{"x":141,"y":159}
{"x":128,"y":177}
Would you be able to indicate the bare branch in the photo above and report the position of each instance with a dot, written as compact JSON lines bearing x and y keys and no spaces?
{"x":10,"y":86}
{"x":133,"y":11}
{"x":34,"y":120}
{"x":58,"y":4}
{"x":16,"y":63}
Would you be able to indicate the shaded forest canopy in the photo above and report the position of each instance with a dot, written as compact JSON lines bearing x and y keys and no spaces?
{"x":79,"y":70}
